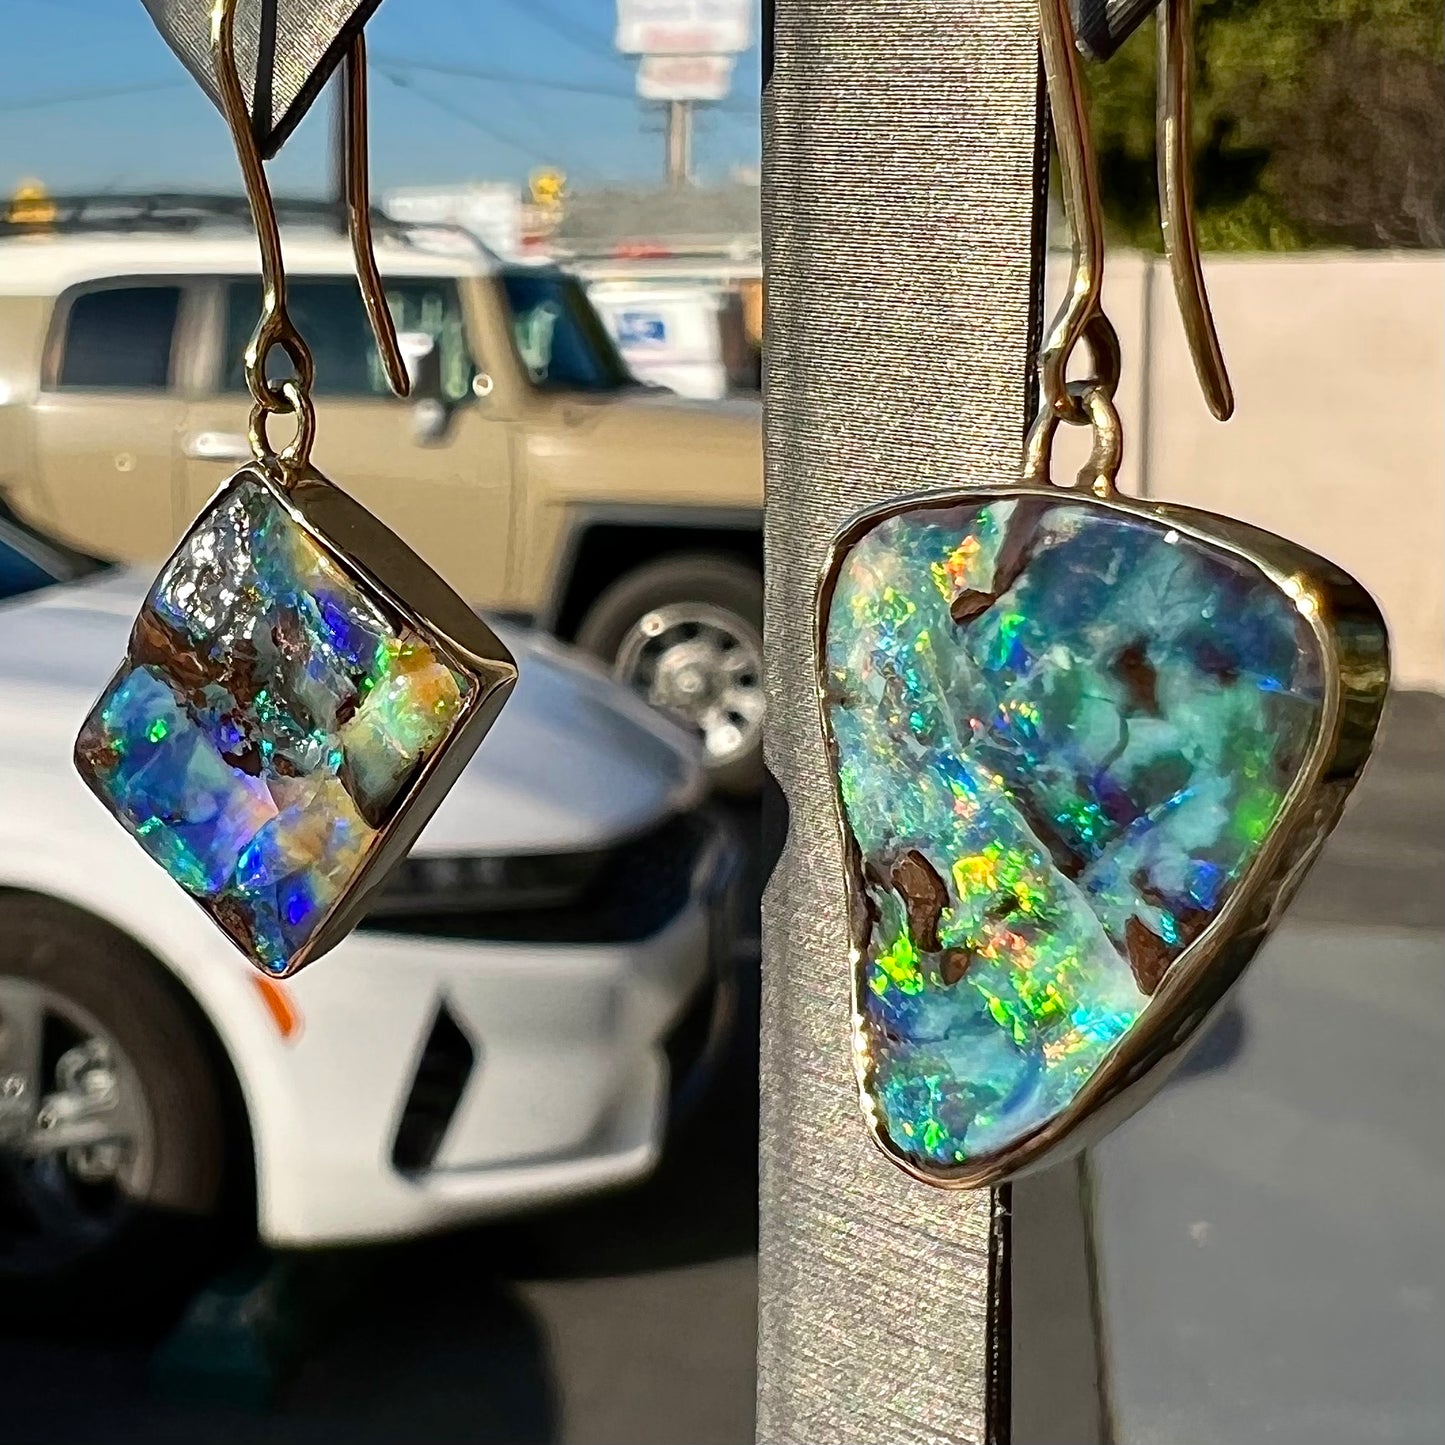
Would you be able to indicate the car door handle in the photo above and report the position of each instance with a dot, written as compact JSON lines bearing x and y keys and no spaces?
{"x":218,"y":446}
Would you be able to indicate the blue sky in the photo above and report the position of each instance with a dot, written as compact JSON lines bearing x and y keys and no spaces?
{"x":173,"y":138}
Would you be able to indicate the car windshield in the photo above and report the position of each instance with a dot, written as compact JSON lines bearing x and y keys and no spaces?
{"x":30,"y":561}
{"x":559,"y":335}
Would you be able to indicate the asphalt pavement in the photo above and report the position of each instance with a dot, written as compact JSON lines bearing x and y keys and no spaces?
{"x":631,"y":1318}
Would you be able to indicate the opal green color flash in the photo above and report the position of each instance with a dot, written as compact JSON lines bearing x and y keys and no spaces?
{"x":1062,"y":734}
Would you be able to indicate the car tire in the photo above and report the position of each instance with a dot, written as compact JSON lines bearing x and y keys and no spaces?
{"x":724,"y":596}
{"x":158,"y":1236}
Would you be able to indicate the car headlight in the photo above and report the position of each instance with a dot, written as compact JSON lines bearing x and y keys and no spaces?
{"x":478,"y":883}
{"x":621,"y":893}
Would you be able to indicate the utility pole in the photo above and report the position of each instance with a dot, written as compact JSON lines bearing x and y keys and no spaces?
{"x":679,"y":143}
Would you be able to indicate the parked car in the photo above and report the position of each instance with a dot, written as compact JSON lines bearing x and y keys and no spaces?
{"x":548,"y":969}
{"x":530,"y":468}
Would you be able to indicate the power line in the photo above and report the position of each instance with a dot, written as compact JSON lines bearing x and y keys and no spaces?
{"x":535,"y":82}
{"x":536,"y":118}
{"x":486,"y":127}
{"x":72,"y":97}
{"x":566,"y":27}
{"x":506,"y":77}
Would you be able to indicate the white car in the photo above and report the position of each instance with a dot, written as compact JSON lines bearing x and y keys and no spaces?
{"x":543,"y":973}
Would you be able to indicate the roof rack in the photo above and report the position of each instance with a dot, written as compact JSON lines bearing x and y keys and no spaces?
{"x":182,"y":211}
{"x":163,"y":211}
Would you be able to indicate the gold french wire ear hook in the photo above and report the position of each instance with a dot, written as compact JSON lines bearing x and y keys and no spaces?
{"x":1082,"y":316}
{"x":1082,"y":313}
{"x":358,"y":209}
{"x":1173,"y":115}
{"x":275,"y":327}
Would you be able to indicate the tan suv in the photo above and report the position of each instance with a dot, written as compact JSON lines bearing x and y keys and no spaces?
{"x":529,"y":467}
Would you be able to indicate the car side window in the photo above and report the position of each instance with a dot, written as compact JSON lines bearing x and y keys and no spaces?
{"x":19,"y":573}
{"x":119,"y":338}
{"x":329,"y":313}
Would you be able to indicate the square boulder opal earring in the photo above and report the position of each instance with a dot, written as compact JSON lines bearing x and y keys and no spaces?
{"x":1085,"y":747}
{"x":300,"y":689}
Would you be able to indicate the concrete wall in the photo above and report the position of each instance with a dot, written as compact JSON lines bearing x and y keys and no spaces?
{"x":1338,"y":438}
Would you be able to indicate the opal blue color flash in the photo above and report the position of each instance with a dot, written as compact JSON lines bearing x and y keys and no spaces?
{"x":267,"y":722}
{"x":1063,"y":732}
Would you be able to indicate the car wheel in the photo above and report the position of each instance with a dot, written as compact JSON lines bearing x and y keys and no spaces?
{"x":112,"y":1121}
{"x":686,"y":633}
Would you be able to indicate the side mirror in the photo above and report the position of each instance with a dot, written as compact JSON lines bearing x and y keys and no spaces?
{"x":430,"y":414}
{"x":423,"y":362}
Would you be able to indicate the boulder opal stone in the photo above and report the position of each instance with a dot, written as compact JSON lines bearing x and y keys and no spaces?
{"x":1062,"y":731}
{"x":266,"y":723}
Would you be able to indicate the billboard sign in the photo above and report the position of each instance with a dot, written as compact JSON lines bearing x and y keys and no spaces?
{"x":684,"y":77}
{"x":684,"y":27}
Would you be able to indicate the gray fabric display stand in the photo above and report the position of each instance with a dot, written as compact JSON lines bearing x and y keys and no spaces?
{"x":902,"y":212}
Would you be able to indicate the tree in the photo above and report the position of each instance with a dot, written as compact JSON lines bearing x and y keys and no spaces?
{"x":1316,"y":123}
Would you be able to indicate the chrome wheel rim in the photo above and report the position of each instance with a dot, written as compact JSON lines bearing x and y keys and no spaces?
{"x":703,"y":666}
{"x":76,"y":1136}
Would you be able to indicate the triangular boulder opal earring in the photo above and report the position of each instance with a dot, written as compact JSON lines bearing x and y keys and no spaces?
{"x":1085,"y":749}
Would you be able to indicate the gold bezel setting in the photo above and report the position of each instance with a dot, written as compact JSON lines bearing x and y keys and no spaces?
{"x":1350,"y":634}
{"x":425,"y":718}
{"x":385,"y":571}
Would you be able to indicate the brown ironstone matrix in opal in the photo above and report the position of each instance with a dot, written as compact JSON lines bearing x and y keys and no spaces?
{"x":1062,"y":733}
{"x":268,"y":719}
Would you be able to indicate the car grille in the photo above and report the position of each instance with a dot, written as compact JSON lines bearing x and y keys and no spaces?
{"x":442,"y":1072}
{"x":622,"y":895}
